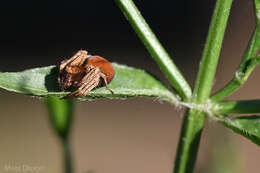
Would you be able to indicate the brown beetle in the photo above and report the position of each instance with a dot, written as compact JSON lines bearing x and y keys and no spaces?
{"x":85,"y":72}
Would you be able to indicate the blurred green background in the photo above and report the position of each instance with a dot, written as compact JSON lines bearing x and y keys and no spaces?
{"x":113,"y":136}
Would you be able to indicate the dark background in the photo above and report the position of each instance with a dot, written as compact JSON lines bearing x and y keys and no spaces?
{"x":135,"y":135}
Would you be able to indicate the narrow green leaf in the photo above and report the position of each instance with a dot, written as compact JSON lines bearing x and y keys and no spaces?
{"x":155,"y":48}
{"x":243,"y":71}
{"x":247,"y":126}
{"x":194,"y":120}
{"x":128,"y":82}
{"x":237,"y":107}
{"x":257,"y":12}
{"x":211,"y":52}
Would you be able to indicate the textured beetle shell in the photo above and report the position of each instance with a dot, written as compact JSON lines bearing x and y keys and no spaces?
{"x":104,"y":66}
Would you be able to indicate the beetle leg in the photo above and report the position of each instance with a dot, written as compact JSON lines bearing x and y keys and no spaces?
{"x":83,"y":91}
{"x":77,"y":60}
{"x":91,"y":72}
{"x":104,"y":77}
{"x":89,"y":81}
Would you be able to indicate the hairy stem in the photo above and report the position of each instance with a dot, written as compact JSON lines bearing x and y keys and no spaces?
{"x":194,"y":120}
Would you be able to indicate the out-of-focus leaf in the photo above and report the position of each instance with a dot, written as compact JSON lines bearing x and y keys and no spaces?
{"x":60,"y":112}
{"x":128,"y":82}
{"x":248,"y":126}
{"x":257,"y":11}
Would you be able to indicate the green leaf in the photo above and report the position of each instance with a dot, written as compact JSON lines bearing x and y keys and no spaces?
{"x":247,"y":126}
{"x":155,"y":48}
{"x":257,"y":12}
{"x":128,"y":82}
{"x":246,"y":66}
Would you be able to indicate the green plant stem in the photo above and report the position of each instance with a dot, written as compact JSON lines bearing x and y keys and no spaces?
{"x":194,"y":120}
{"x":155,"y":48}
{"x":61,"y":113}
{"x":237,"y":107}
{"x":243,"y":71}
{"x":67,"y":156}
{"x":189,"y":141}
